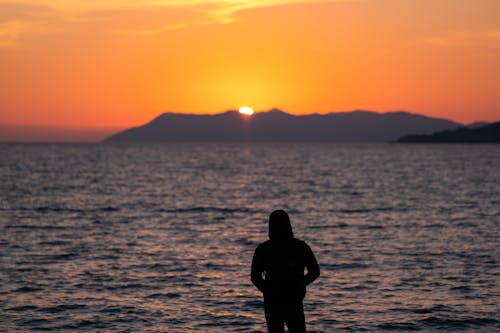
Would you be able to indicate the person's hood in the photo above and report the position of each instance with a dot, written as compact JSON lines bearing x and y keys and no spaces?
{"x":280,"y":228}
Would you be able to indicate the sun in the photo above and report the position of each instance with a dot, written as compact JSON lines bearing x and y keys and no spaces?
{"x":246,"y":110}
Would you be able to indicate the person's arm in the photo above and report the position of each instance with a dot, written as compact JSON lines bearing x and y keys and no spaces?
{"x":312,"y":266}
{"x":257,"y":270}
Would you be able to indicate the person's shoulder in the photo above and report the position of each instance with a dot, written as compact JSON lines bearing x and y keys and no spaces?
{"x":264,"y":245}
{"x":300,"y":243}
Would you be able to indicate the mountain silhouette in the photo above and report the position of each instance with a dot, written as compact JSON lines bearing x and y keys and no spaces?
{"x":477,"y":124}
{"x":278,"y":126}
{"x":484,"y":134}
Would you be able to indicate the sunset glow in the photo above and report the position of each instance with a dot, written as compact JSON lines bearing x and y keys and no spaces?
{"x":115,"y":64}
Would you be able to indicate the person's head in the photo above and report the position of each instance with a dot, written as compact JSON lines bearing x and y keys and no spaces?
{"x":279,"y":226}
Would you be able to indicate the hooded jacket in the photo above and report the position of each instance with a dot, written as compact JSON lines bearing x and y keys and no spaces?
{"x":278,"y":264}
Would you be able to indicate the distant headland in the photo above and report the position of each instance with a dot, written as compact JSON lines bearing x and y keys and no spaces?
{"x":489,"y":133}
{"x":278,"y":126}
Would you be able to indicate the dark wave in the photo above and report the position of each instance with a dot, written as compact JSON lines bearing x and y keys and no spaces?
{"x":438,"y":323}
{"x":62,"y":308}
{"x":208,"y":209}
{"x":37,"y":227}
{"x":341,"y":266}
{"x":164,"y":296}
{"x":398,"y":327}
{"x":27,"y":289}
{"x":22,"y":308}
{"x":336,"y":225}
{"x":50,"y":209}
{"x":457,"y":323}
{"x":366,"y":210}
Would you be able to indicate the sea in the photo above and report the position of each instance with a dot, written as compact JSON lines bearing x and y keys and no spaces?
{"x":159,"y":237}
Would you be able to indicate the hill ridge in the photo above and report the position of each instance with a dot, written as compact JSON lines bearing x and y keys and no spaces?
{"x":279,"y":126}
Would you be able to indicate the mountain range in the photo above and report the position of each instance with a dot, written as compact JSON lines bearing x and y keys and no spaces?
{"x":278,"y":126}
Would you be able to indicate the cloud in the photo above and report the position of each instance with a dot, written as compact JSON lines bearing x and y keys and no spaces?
{"x":465,"y":38}
{"x":487,"y":41}
{"x":146,"y":21}
{"x":10,"y":31}
{"x":178,"y":14}
{"x":18,"y":20}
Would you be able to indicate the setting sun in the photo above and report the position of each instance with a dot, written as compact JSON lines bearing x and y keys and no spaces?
{"x":246,"y":110}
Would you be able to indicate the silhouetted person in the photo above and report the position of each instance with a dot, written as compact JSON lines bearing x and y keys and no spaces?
{"x":278,"y":272}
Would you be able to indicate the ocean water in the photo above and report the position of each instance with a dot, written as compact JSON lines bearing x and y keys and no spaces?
{"x":159,"y":237}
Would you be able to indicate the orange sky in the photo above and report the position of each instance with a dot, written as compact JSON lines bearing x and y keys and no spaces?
{"x":98,"y":64}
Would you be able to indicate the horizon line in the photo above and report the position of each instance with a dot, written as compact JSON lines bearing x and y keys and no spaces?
{"x":117,"y":127}
{"x":69,"y":133}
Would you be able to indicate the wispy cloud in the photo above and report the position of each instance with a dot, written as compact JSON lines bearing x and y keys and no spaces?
{"x":186,"y":13}
{"x":222,"y":10}
{"x":220,"y":6}
{"x":19,"y":19}
{"x":465,"y":38}
{"x":10,"y":31}
{"x":487,"y":40}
